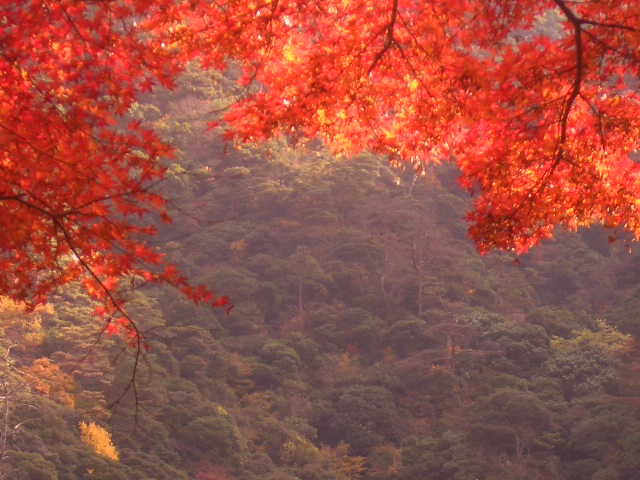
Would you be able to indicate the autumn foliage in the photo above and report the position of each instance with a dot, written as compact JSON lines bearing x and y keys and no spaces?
{"x":76,"y":174}
{"x":535,"y":101}
{"x":99,"y":439}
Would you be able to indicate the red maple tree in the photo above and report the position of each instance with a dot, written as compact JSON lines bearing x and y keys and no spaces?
{"x":74,"y":174}
{"x":536,"y":101}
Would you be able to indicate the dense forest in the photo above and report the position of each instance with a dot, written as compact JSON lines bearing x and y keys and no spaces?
{"x":367,"y":339}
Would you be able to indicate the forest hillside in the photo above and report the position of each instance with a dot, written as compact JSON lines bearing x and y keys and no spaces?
{"x":368,"y":340}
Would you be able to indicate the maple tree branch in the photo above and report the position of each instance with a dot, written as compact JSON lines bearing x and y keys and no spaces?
{"x":577,"y":82}
{"x":138,"y":338}
{"x":599,"y":116}
{"x":132,"y":384}
{"x":573,"y":94}
{"x":468,"y":23}
{"x":571,"y":16}
{"x":619,"y":26}
{"x":37,"y":150}
{"x":568,"y":102}
{"x":607,"y":47}
{"x":110,"y":297}
{"x":10,"y":197}
{"x":82,"y":37}
{"x":86,"y":40}
{"x":77,"y":210}
{"x":413,"y":69}
{"x":389,"y":40}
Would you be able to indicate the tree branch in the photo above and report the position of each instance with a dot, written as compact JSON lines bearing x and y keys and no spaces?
{"x":577,"y":82}
{"x":389,"y":40}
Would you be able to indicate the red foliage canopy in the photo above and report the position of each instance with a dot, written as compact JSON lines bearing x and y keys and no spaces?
{"x":73,"y":174}
{"x":536,"y":101}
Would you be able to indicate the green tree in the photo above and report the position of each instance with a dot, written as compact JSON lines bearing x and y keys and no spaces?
{"x":436,"y":458}
{"x":365,"y":416}
{"x":510,"y":421}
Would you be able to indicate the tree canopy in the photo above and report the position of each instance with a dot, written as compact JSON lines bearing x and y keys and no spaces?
{"x":536,"y":102}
